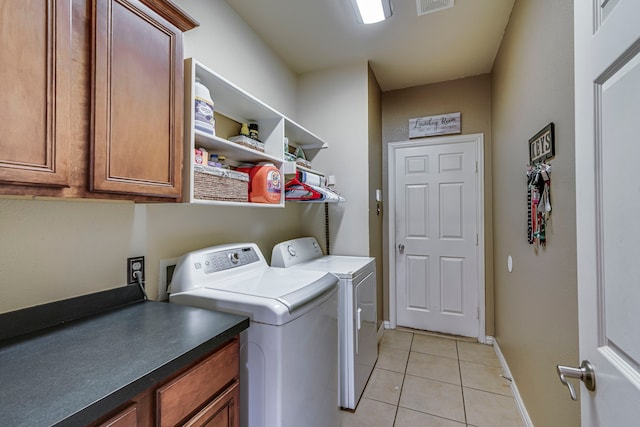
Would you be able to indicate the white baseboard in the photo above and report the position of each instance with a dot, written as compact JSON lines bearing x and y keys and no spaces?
{"x":514,"y":388}
{"x":383,"y":326}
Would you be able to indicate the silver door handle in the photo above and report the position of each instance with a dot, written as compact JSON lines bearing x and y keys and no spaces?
{"x":401,"y":248}
{"x":584,"y":373}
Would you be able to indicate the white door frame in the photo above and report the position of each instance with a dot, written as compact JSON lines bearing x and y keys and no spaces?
{"x":478,"y":139}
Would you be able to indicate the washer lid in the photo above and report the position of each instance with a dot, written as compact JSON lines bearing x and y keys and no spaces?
{"x":272,"y":296}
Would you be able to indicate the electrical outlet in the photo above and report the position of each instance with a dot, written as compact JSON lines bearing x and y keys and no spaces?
{"x":134,"y":264}
{"x":164,"y":277}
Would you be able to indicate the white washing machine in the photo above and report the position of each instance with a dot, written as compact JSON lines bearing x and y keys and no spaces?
{"x":357,"y":308}
{"x":289,"y":353}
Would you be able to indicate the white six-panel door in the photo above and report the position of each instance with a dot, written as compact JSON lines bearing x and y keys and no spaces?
{"x":436,"y":234}
{"x":607,"y":91}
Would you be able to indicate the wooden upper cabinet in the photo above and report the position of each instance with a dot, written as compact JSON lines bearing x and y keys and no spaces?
{"x":137,"y":110}
{"x":35,"y":87}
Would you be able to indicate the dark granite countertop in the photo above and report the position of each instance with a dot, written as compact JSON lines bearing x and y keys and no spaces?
{"x":73,"y":373}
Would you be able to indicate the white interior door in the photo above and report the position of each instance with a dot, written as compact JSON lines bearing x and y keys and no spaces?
{"x":436,"y":235}
{"x":607,"y":91}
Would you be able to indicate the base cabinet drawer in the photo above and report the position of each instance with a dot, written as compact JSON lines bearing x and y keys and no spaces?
{"x":204,"y":394}
{"x":193,"y":389}
{"x":221,"y":412}
{"x":126,"y":418}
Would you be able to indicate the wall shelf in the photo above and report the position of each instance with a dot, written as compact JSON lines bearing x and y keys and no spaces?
{"x":232,"y":150}
{"x":290,"y":168}
{"x":241,"y":107}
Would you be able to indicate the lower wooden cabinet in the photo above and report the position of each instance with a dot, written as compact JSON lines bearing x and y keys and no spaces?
{"x":125,"y":418}
{"x":204,"y":394}
{"x":197,"y":386}
{"x":222,"y":412}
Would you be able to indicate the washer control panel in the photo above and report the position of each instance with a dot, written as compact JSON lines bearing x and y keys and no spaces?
{"x":214,"y":262}
{"x":198,"y":268}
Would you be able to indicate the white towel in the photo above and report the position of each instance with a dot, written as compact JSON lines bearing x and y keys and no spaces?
{"x":312,"y":179}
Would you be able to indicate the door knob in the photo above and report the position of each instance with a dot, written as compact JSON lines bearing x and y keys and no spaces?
{"x":401,"y":248}
{"x":584,"y":373}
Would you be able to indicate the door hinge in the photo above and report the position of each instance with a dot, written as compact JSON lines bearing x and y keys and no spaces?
{"x":477,"y":239}
{"x":476,"y":166}
{"x":478,"y":313}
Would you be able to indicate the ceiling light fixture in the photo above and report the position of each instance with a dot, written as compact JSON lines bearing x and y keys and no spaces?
{"x":372,"y":11}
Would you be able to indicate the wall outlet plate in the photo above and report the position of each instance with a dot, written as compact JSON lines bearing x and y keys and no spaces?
{"x":134,"y":264}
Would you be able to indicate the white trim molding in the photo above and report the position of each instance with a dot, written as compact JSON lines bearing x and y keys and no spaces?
{"x":384,"y":325}
{"x":514,"y":388}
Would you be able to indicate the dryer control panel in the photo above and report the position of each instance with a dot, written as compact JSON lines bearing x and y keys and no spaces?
{"x":292,"y":252}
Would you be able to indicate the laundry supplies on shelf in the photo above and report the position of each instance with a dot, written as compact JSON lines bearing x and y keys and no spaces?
{"x":265,"y":184}
{"x":203,"y":114}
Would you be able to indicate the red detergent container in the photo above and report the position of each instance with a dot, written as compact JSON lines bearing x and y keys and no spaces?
{"x":266,"y":184}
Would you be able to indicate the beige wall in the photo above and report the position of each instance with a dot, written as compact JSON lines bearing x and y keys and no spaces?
{"x":51,"y":250}
{"x":344,"y":105}
{"x":536,"y":305}
{"x":333,"y":103}
{"x":472,"y":98}
{"x":226,"y":44}
{"x":375,"y":182}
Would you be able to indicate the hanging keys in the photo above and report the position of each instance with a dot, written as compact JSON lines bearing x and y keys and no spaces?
{"x":538,"y":203}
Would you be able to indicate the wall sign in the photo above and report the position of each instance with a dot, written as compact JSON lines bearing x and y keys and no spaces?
{"x":542,"y":145}
{"x":434,"y":125}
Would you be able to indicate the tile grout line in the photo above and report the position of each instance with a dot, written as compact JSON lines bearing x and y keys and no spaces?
{"x":464,"y":406}
{"x":473,"y":362}
{"x":404,"y":375}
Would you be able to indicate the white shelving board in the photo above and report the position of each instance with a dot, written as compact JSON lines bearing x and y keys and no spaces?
{"x":290,"y":168}
{"x":302,"y":137}
{"x":237,"y":104}
{"x":232,"y":150}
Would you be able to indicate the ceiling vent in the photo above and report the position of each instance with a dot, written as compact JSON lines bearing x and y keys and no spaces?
{"x":430,"y":6}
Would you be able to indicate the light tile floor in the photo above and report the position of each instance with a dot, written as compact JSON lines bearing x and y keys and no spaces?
{"x":427,"y":380}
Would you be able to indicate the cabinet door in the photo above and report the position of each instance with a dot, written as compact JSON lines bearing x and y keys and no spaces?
{"x":137,"y":101}
{"x":181,"y":397}
{"x":222,"y":412}
{"x":125,"y":418}
{"x":35,"y":87}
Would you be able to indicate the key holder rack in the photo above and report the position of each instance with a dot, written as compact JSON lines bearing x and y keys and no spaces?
{"x":541,"y":149}
{"x":538,"y":203}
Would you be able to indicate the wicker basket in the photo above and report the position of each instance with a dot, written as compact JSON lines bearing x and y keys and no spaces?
{"x":248,"y":142}
{"x":211,"y":183}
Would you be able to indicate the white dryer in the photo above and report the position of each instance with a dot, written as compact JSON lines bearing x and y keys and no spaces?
{"x":289,"y":353}
{"x":356,"y":306}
